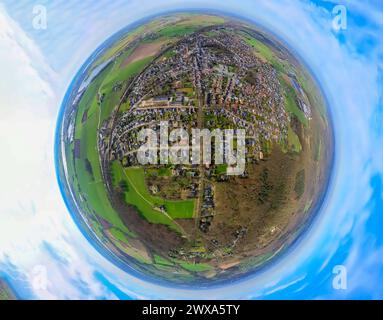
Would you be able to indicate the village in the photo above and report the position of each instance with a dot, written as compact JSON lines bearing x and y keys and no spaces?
{"x":203,"y":81}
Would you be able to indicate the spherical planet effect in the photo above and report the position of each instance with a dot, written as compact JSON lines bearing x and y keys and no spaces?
{"x":177,"y":218}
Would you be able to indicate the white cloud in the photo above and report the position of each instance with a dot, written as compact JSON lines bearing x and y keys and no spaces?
{"x":32,"y":212}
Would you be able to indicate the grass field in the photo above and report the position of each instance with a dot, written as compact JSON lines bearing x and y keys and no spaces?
{"x":293,"y":141}
{"x":132,"y":252}
{"x":161,"y":172}
{"x":189,"y":25}
{"x":160,"y":260}
{"x":201,"y":19}
{"x":90,"y":183}
{"x":177,"y":31}
{"x":118,"y":234}
{"x":290,"y":102}
{"x":194,"y":267}
{"x":116,"y":75}
{"x":137,"y":194}
{"x":122,"y":74}
{"x":265,"y":52}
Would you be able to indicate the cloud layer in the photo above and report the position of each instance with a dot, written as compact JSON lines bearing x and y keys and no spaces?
{"x":45,"y":256}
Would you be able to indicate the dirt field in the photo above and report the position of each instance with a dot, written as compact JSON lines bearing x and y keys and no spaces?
{"x":143,"y":51}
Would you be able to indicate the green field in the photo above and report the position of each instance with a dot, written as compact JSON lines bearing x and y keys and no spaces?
{"x":161,"y":172}
{"x":162,"y":261}
{"x":133,"y":253}
{"x":177,"y":31}
{"x":190,"y":24}
{"x":293,"y":141}
{"x":90,"y":181}
{"x":119,"y":75}
{"x":122,"y":74}
{"x":194,"y":267}
{"x":265,"y":52}
{"x":119,"y":235}
{"x":137,"y":194}
{"x":291,"y":104}
{"x":91,"y":184}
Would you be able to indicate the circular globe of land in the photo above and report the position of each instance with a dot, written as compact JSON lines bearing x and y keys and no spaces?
{"x":193,"y":149}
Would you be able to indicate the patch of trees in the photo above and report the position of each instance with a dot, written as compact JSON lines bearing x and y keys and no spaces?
{"x":266,"y":187}
{"x":300,"y":183}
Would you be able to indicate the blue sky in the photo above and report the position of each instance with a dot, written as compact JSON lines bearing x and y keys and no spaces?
{"x":44,"y":255}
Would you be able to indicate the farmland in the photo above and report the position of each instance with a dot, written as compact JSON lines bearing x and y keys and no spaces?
{"x":137,"y":194}
{"x":188,"y":221}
